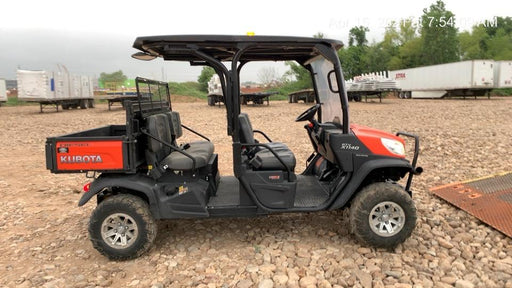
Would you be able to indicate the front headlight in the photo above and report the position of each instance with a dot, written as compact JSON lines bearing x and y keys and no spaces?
{"x":394,"y":146}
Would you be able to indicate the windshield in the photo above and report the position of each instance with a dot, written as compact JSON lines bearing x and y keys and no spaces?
{"x":331,"y":102}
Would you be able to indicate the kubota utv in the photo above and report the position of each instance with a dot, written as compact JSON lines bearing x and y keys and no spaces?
{"x":142,"y":172}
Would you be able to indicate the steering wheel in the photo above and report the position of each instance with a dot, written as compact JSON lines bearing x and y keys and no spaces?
{"x":308,"y":114}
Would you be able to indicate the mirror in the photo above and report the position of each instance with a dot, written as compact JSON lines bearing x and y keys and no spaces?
{"x":143,"y":56}
{"x":333,"y":83}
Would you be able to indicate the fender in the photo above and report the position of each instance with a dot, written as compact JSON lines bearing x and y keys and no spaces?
{"x":139,"y":183}
{"x":361,"y":174}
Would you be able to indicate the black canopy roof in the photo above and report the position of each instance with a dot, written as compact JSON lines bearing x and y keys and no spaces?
{"x":224,"y":47}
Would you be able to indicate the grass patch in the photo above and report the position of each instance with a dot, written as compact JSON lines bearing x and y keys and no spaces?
{"x":501,"y":92}
{"x":187,"y":89}
{"x":14,"y":101}
{"x":290,"y":87}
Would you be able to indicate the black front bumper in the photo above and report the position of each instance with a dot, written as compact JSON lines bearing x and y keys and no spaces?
{"x":414,"y":170}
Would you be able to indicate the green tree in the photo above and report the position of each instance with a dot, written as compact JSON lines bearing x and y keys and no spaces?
{"x":378,"y":56}
{"x":357,"y":36}
{"x":500,"y":23}
{"x":407,"y":31}
{"x":319,"y":35}
{"x":473,"y":45}
{"x":117,"y":77}
{"x":489,"y":40}
{"x":410,"y":54}
{"x":439,"y":35}
{"x":301,"y":75}
{"x":353,"y":60}
{"x":204,"y":77}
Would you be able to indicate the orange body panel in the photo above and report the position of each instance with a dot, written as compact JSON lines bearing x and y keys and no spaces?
{"x":89,"y":155}
{"x":371,"y":139}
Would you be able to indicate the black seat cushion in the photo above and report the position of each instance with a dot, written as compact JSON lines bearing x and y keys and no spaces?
{"x":260,"y":157}
{"x":201,"y":151}
{"x":266,"y":160}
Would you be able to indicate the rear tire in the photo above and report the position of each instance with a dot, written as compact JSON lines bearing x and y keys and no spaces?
{"x":122,"y":227}
{"x":90,"y":103}
{"x":382,"y":215}
{"x":83,"y":104}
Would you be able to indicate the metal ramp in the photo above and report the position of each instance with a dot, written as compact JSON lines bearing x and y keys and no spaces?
{"x":488,"y":199}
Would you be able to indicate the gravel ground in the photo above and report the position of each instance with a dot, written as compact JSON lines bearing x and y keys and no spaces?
{"x":43,"y":234}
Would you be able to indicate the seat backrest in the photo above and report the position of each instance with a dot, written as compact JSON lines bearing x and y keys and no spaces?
{"x":158,"y":126}
{"x":175,"y":124}
{"x":246,"y":132}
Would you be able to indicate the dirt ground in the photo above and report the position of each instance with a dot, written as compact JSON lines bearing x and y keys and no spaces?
{"x":43,"y":234}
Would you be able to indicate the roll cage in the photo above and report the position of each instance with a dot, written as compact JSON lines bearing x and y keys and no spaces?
{"x":215,"y":50}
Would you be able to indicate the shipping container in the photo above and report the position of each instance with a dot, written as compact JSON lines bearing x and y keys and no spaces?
{"x":3,"y":91}
{"x":466,"y":78}
{"x":35,"y":85}
{"x":503,"y":74}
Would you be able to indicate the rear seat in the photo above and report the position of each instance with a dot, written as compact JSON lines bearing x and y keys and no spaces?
{"x":167,"y":127}
{"x":200,"y":150}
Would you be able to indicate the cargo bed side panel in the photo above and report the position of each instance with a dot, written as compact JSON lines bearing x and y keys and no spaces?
{"x":89,"y":155}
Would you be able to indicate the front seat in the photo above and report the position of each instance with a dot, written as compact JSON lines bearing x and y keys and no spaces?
{"x":259,"y":157}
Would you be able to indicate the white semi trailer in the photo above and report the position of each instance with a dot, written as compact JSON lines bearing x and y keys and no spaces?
{"x":503,"y":74}
{"x":466,"y":78}
{"x":55,"y":89}
{"x":3,"y":91}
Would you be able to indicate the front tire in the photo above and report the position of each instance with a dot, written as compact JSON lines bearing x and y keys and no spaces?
{"x":122,"y":227}
{"x":382,"y":215}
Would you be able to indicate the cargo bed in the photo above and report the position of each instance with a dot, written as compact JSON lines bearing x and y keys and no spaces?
{"x":104,"y":149}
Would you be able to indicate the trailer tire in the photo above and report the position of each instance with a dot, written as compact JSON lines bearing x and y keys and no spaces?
{"x":211,"y":100}
{"x":65,"y":106}
{"x":90,"y":103}
{"x":83,"y":104}
{"x":382,"y":215}
{"x":357,"y":98}
{"x":125,"y":220}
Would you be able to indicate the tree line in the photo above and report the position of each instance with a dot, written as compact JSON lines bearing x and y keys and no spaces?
{"x":433,"y":39}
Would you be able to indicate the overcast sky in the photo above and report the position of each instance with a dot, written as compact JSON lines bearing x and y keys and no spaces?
{"x":91,"y":37}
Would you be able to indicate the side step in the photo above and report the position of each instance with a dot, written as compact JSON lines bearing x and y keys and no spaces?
{"x":226,"y":202}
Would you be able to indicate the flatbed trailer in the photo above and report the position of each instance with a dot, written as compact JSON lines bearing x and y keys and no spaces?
{"x":118,"y":97}
{"x":357,"y":96}
{"x":245,"y":98}
{"x":306,"y":95}
{"x":55,"y":89}
{"x":256,"y":98}
{"x":66,"y":104}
